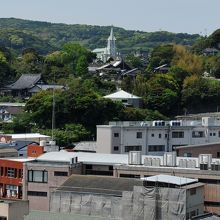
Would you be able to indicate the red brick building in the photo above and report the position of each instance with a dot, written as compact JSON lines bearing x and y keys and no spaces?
{"x":11,"y":178}
{"x":195,"y":150}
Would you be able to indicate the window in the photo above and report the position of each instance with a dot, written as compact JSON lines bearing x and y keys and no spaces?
{"x":20,"y":173}
{"x":37,"y":176}
{"x":187,"y":154}
{"x":2,"y":171}
{"x":139,"y":135}
{"x":192,"y":213}
{"x":152,"y":135}
{"x":198,"y":134}
{"x":130,"y":176}
{"x":192,"y":191}
{"x":152,"y":148}
{"x":88,"y":167}
{"x":10,"y":172}
{"x":116,"y":134}
{"x":210,"y":134}
{"x":177,"y":134}
{"x":110,"y":167}
{"x":213,"y":134}
{"x":116,"y":148}
{"x":37,"y":193}
{"x":60,"y":173}
{"x":218,"y":154}
{"x":133,"y":148}
{"x":166,"y":135}
{"x":159,"y":135}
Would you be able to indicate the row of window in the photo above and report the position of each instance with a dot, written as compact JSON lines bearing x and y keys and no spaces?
{"x":11,"y":172}
{"x":40,"y":176}
{"x":176,"y":134}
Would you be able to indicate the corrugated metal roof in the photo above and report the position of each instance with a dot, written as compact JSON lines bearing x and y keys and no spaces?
{"x":99,"y":184}
{"x":176,"y":180}
{"x":89,"y":158}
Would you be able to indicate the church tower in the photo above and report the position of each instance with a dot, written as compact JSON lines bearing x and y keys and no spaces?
{"x":111,"y":46}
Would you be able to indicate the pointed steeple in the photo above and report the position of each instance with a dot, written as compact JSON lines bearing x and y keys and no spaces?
{"x":111,"y":47}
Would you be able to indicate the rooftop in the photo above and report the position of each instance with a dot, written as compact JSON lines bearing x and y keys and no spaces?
{"x":99,"y":184}
{"x":176,"y":180}
{"x":26,"y":81}
{"x":121,"y":94}
{"x":27,"y":135}
{"x":87,"y":158}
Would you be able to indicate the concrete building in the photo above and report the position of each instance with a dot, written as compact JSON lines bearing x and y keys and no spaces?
{"x":13,"y":210}
{"x":126,"y":98}
{"x":11,"y":177}
{"x":155,"y":137}
{"x":127,"y":199}
{"x":204,"y":168}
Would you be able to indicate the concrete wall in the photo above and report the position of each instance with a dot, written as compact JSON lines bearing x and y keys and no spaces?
{"x":17,"y":210}
{"x":195,"y":202}
{"x":14,"y":210}
{"x":42,"y":202}
{"x":104,"y":139}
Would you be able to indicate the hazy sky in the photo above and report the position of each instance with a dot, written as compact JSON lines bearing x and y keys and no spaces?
{"x":191,"y":16}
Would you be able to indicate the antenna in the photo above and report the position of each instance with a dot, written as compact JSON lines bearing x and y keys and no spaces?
{"x":53,"y":113}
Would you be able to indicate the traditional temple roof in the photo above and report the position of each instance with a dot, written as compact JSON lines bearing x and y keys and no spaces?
{"x":26,"y":81}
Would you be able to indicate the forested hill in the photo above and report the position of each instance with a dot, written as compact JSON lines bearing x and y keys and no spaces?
{"x":46,"y":37}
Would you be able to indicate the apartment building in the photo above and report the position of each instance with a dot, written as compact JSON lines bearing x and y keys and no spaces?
{"x":155,"y":137}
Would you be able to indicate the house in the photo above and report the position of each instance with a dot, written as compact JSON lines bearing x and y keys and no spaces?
{"x":8,"y":110}
{"x":210,"y":51}
{"x":126,"y":98}
{"x":155,"y":137}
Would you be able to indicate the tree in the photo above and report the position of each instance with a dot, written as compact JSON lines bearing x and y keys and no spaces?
{"x":163,"y":94}
{"x":187,"y":61}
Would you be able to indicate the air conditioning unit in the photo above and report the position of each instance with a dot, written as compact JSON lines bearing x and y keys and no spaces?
{"x":134,"y":158}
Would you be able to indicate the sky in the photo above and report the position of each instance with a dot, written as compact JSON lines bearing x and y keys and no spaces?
{"x":186,"y":16}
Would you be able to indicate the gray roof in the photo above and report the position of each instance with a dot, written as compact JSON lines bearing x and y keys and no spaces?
{"x":26,"y":81}
{"x":99,"y":184}
{"x":86,"y":146}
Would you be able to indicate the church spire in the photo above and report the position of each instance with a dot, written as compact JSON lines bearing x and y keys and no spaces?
{"x":111,"y":47}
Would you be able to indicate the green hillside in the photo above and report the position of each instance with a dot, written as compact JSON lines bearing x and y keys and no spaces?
{"x":46,"y":37}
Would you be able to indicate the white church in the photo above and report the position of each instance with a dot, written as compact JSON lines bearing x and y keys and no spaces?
{"x":110,"y":51}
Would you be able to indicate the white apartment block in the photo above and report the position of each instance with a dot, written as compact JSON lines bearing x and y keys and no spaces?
{"x":155,"y":137}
